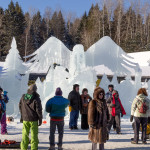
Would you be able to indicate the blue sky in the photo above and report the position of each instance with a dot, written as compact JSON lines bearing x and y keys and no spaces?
{"x":76,"y":6}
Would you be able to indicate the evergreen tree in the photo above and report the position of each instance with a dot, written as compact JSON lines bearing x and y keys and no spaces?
{"x":14,"y":24}
{"x":54,"y":25}
{"x":36,"y":29}
{"x":58,"y":26}
{"x":81,"y":29}
{"x":2,"y":33}
{"x":61,"y":28}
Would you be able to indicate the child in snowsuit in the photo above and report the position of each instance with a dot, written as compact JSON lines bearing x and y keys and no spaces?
{"x":56,"y":107}
{"x":31,"y":115}
{"x":3,"y":100}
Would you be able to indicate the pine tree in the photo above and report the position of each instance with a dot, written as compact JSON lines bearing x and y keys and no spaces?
{"x":81,"y":29}
{"x":36,"y":30}
{"x":61,"y":28}
{"x":14,"y":24}
{"x":2,"y":33}
{"x":54,"y":25}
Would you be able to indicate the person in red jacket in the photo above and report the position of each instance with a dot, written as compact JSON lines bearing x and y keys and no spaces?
{"x":115,"y":109}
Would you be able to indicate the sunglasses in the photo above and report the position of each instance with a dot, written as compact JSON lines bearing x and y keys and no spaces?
{"x":101,"y":94}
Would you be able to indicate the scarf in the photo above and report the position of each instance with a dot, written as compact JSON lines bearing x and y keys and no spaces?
{"x":85,"y":99}
{"x":28,"y":97}
{"x":114,"y":109}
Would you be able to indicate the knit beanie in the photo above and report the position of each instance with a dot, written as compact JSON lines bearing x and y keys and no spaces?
{"x":58,"y":92}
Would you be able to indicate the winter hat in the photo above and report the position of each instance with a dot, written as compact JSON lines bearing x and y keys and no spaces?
{"x":58,"y":92}
{"x":75,"y":86}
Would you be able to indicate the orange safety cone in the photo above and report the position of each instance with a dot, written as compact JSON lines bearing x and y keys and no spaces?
{"x":8,"y":120}
{"x":44,"y":122}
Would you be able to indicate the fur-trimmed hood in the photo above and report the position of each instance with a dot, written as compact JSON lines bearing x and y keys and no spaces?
{"x":97,"y":91}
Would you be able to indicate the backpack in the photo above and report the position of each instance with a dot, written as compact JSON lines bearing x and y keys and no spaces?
{"x":143,"y":108}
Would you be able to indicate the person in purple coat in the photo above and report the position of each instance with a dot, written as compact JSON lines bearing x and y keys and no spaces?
{"x":3,"y":100}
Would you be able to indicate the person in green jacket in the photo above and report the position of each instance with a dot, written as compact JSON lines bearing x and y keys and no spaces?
{"x":140,"y":112}
{"x":31,"y":116}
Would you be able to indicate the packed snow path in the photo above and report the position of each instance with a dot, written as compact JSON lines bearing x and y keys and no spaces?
{"x":78,"y":140}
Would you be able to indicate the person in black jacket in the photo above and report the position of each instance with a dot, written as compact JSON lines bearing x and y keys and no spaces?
{"x":74,"y":107}
{"x":31,"y":116}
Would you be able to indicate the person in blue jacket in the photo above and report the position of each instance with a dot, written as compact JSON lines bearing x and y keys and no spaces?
{"x":3,"y":100}
{"x":56,"y":106}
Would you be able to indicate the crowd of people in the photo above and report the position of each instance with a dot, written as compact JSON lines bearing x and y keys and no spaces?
{"x":98,"y":115}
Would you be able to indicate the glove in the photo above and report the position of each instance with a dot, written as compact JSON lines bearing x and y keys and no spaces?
{"x":70,"y":108}
{"x":92,"y":126}
{"x":121,"y":115}
{"x":131,"y":118}
{"x":40,"y":122}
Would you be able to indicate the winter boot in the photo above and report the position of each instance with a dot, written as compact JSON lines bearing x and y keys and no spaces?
{"x":60,"y":147}
{"x":144,"y":142}
{"x":52,"y":148}
{"x":133,"y":142}
{"x":76,"y":128}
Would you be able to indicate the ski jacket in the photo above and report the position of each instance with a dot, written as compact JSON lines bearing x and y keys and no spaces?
{"x":31,"y":109}
{"x":137,"y":102}
{"x":56,"y":106}
{"x":75,"y":100}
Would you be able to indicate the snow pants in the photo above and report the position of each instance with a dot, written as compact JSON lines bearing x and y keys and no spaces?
{"x":27,"y":125}
{"x":111,"y":121}
{"x":3,"y":124}
{"x":74,"y":115}
{"x":60,"y":127}
{"x":94,"y":146}
{"x":143,"y":122}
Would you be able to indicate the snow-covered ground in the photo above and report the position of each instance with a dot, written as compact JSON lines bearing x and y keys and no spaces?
{"x":78,"y":140}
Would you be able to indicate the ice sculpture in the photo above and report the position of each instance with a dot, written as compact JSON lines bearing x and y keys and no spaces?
{"x":13,"y":80}
{"x":107,"y":52}
{"x":77,"y":60}
{"x":13,"y":60}
{"x":138,"y":75}
{"x":104,"y":82}
{"x":127,"y":93}
{"x":148,"y":87}
{"x":115,"y":82}
{"x":81,"y":70}
{"x":52,"y":51}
